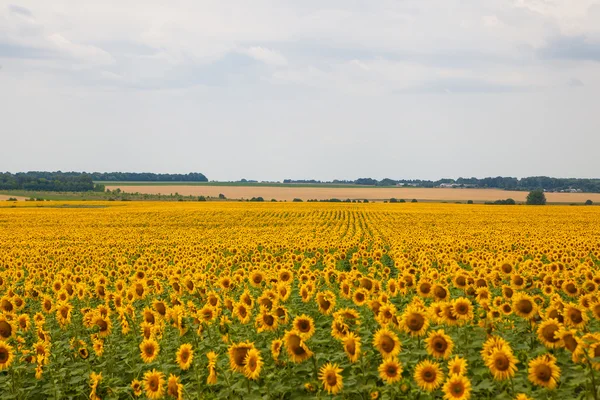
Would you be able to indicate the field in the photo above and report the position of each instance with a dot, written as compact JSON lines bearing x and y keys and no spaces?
{"x":228,"y":300}
{"x":291,"y":192}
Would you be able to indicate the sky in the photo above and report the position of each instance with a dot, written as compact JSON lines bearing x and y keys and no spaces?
{"x":328,"y":89}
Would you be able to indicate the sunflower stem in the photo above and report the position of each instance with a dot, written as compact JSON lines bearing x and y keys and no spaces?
{"x":594,"y":387}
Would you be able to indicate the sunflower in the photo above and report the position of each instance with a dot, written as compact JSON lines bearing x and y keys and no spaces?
{"x":304,"y":325}
{"x":149,"y":349}
{"x":331,"y":378}
{"x":242,"y":312}
{"x":543,"y":371}
{"x":253,"y":364}
{"x":522,"y":396}
{"x":8,"y":328}
{"x":104,"y":325}
{"x":326,"y":302}
{"x":237,"y":355}
{"x":390,"y":371}
{"x":98,"y":347}
{"x":339,"y":330}
{"x":387,"y":343}
{"x":462,"y":309}
{"x":185,"y":356}
{"x":154,"y":384}
{"x":575,"y":316}
{"x":502,"y":363}
{"x":439,"y":345}
{"x":457,"y":387}
{"x":174,"y":387}
{"x":546,"y":332}
{"x":276,"y":348}
{"x":296,"y":349}
{"x":83,"y":353}
{"x":352,"y":346}
{"x":136,"y":386}
{"x":414,"y":321}
{"x":266,"y":322}
{"x":568,"y":338}
{"x":428,"y":375}
{"x":212,"y":363}
{"x":457,"y":366}
{"x":524,"y":305}
{"x":360,"y":297}
{"x":6,"y":355}
{"x":94,"y":382}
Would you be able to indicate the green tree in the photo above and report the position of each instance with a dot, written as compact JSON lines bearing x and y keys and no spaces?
{"x":536,"y":197}
{"x":589,"y":202}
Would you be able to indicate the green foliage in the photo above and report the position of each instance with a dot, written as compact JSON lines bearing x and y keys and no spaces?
{"x":589,"y":202}
{"x":536,"y":197}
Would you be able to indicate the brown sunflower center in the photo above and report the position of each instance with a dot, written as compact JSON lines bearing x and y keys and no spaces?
{"x":239,"y":354}
{"x":501,"y":362}
{"x":5,"y":329}
{"x":525,"y":306}
{"x":153,"y":383}
{"x":331,"y":379}
{"x":440,"y":344}
{"x":387,"y":344}
{"x":543,"y":373}
{"x":575,"y":316}
{"x":3,"y":355}
{"x":429,"y":375}
{"x":415,"y":322}
{"x":548,"y":333}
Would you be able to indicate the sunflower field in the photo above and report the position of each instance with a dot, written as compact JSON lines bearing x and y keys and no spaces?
{"x":230,"y":300}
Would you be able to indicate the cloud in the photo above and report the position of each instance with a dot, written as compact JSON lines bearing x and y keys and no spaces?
{"x":267,"y":56}
{"x":571,"y":48}
{"x":19,"y":10}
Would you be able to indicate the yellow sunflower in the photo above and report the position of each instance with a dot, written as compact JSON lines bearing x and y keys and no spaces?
{"x":547,"y":331}
{"x":174,"y":387}
{"x":543,"y":371}
{"x":439,"y":345}
{"x":154,"y":384}
{"x":237,"y":355}
{"x":457,"y":387}
{"x":296,"y":349}
{"x":414,"y":321}
{"x":457,"y":366}
{"x":352,"y":346}
{"x":253,"y":364}
{"x":428,"y":375}
{"x":185,"y":356}
{"x":390,"y":371}
{"x":149,"y":349}
{"x":524,"y":305}
{"x":304,"y":325}
{"x":502,"y":363}
{"x":137,"y":388}
{"x":330,"y":375}
{"x":387,"y":343}
{"x":6,"y":355}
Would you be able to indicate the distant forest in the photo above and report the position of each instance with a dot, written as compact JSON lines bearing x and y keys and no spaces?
{"x":82,"y":181}
{"x":506,"y":183}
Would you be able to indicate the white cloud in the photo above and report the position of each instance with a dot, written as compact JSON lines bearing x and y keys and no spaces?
{"x":267,"y":56}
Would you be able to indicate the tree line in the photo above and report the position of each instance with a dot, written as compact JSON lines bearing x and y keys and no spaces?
{"x":82,"y":181}
{"x":499,"y":182}
{"x":147,"y":177}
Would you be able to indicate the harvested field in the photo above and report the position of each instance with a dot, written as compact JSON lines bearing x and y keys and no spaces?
{"x":4,"y":197}
{"x":305,"y":193}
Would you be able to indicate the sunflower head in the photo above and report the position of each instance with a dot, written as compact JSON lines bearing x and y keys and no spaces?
{"x":330,"y":376}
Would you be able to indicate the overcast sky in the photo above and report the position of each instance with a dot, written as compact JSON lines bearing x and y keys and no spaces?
{"x":304,"y":89}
